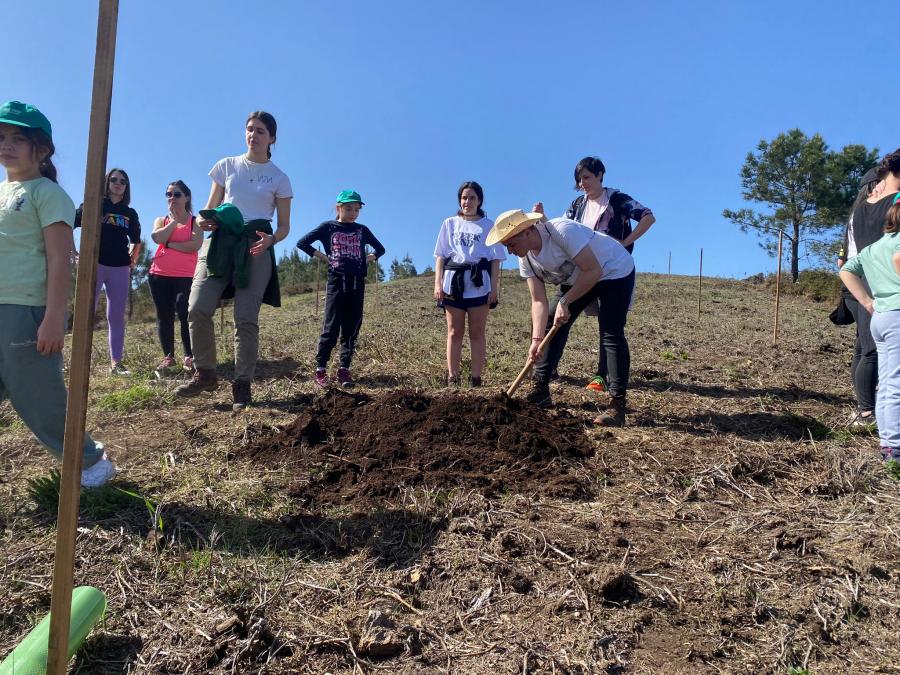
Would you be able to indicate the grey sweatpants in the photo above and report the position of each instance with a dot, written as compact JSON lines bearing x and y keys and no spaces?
{"x":34,"y":383}
{"x":205,"y":295}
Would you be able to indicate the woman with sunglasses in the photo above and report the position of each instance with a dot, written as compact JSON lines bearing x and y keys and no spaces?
{"x":178,"y":237}
{"x":120,"y":246}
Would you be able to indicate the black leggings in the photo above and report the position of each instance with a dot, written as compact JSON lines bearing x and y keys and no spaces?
{"x":170,"y":295}
{"x":864,"y":368}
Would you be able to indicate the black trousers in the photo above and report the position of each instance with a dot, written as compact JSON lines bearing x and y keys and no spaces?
{"x":344,"y":298}
{"x":864,"y":367}
{"x":170,"y":295}
{"x":614,"y":296}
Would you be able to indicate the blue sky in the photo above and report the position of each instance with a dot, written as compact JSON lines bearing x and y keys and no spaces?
{"x":403,"y":101}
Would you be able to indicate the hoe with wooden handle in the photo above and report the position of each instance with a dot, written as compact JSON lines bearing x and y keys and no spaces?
{"x":530,"y":363}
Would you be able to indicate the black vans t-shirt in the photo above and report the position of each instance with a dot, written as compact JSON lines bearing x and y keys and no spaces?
{"x":119,"y":226}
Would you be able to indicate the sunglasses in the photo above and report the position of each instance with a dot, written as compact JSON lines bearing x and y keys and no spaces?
{"x":177,"y":195}
{"x":115,"y":180}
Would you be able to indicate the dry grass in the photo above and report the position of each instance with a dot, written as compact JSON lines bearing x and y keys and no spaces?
{"x":736,"y":525}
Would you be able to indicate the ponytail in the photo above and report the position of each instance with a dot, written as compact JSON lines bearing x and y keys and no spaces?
{"x":41,"y":142}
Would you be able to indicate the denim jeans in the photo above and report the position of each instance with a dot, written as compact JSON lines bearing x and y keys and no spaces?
{"x":886,"y":332}
{"x":34,"y":383}
{"x":615,"y":298}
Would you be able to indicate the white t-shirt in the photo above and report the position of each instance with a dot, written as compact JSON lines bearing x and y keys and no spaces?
{"x":597,"y":214}
{"x":561,"y":240}
{"x":463,"y":242}
{"x":251,"y":186}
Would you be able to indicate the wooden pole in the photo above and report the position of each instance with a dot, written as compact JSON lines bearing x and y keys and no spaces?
{"x":700,"y":284}
{"x":317,"y":284}
{"x":499,"y":282}
{"x":777,"y":287}
{"x":669,"y":273}
{"x":82,"y":334}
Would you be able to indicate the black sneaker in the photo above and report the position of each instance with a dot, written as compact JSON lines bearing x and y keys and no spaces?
{"x":540,"y":394}
{"x":240,"y":395}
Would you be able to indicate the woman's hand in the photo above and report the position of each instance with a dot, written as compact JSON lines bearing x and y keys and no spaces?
{"x":266,"y":241}
{"x":206,"y":224}
{"x":538,"y":208}
{"x":493,"y":298}
{"x":438,"y":293}
{"x":371,"y":258}
{"x":50,"y":336}
{"x":869,"y":304}
{"x":562,"y":314}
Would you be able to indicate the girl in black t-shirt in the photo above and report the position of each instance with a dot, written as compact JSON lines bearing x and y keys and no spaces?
{"x":120,"y":246}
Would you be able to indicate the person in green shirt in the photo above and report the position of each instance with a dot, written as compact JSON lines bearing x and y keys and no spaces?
{"x":879,"y":263}
{"x":36,"y":219}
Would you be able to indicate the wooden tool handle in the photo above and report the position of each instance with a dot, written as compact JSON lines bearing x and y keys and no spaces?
{"x":530,"y":363}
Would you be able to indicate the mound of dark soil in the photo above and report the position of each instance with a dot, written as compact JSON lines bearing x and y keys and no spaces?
{"x":349,"y":448}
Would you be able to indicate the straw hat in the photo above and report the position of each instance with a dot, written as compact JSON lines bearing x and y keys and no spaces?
{"x":509,"y":224}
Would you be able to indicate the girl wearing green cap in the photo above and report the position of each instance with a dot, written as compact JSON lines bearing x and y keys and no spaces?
{"x":344,"y":241}
{"x":36,"y":219}
{"x":243,"y":266}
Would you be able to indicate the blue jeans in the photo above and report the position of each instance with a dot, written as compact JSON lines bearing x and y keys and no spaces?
{"x":886,"y":332}
{"x":34,"y":383}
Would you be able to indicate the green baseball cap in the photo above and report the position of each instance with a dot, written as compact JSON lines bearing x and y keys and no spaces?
{"x":24,"y":115}
{"x":348,"y":197}
{"x":227,"y":215}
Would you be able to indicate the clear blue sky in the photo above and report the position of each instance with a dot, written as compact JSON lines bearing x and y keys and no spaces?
{"x":402,"y":101}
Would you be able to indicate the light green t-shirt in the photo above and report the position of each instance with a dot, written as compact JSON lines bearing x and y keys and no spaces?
{"x":876,"y":263}
{"x":26,"y":208}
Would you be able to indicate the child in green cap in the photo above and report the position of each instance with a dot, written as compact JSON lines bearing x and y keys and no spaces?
{"x":36,"y":219}
{"x":344,"y":241}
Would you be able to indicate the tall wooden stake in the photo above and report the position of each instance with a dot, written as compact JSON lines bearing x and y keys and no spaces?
{"x":317,"y":285}
{"x":669,"y":273}
{"x":499,"y":282}
{"x":82,"y":334}
{"x":777,"y":288}
{"x":700,"y":284}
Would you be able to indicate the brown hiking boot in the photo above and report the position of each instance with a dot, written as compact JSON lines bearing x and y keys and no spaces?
{"x":204,"y":379}
{"x":240,"y":395}
{"x":614,"y":416}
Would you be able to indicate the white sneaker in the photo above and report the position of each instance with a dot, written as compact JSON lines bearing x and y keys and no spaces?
{"x":99,"y":473}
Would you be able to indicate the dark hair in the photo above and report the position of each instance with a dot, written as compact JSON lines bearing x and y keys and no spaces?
{"x":890,"y":164}
{"x":126,"y":198}
{"x":479,"y":193}
{"x":181,"y":185}
{"x":592,"y":164}
{"x":269,"y":123}
{"x":41,"y":141}
{"x":892,"y":222}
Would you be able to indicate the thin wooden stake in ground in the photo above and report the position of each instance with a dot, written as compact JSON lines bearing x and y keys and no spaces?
{"x":82,"y":332}
{"x":700,"y":285}
{"x":777,"y":288}
{"x":317,"y":285}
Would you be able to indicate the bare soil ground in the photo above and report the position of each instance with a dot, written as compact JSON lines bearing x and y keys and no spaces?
{"x":733,"y":525}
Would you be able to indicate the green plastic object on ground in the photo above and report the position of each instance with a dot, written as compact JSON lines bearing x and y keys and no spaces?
{"x":30,"y":656}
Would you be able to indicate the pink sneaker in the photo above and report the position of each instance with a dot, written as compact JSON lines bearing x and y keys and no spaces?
{"x":344,"y":377}
{"x":166,"y":363}
{"x":188,"y":364}
{"x":320,"y":377}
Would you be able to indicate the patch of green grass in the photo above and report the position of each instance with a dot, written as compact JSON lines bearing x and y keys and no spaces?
{"x":893,"y":468}
{"x":134,"y":398}
{"x":96,"y":504}
{"x":667,"y":355}
{"x":798,"y":670}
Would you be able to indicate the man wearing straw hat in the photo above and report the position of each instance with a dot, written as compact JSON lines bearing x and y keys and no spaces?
{"x":588,"y":266}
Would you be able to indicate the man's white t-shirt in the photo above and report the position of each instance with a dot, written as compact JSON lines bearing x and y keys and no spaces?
{"x":462,"y":241}
{"x":251,"y":186}
{"x":561,"y":240}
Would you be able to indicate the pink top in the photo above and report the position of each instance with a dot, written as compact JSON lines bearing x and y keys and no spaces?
{"x":171,"y":263}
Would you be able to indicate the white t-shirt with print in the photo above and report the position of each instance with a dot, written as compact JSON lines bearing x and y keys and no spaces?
{"x":251,"y":186}
{"x":561,"y":240}
{"x":462,"y":241}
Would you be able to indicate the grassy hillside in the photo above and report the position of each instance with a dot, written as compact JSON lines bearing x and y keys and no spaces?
{"x":734,"y":524}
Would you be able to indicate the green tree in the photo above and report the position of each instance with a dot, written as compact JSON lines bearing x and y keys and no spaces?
{"x":403,"y":269}
{"x":808,"y":189}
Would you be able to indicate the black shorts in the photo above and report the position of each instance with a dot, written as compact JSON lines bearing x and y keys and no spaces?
{"x":464,"y":303}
